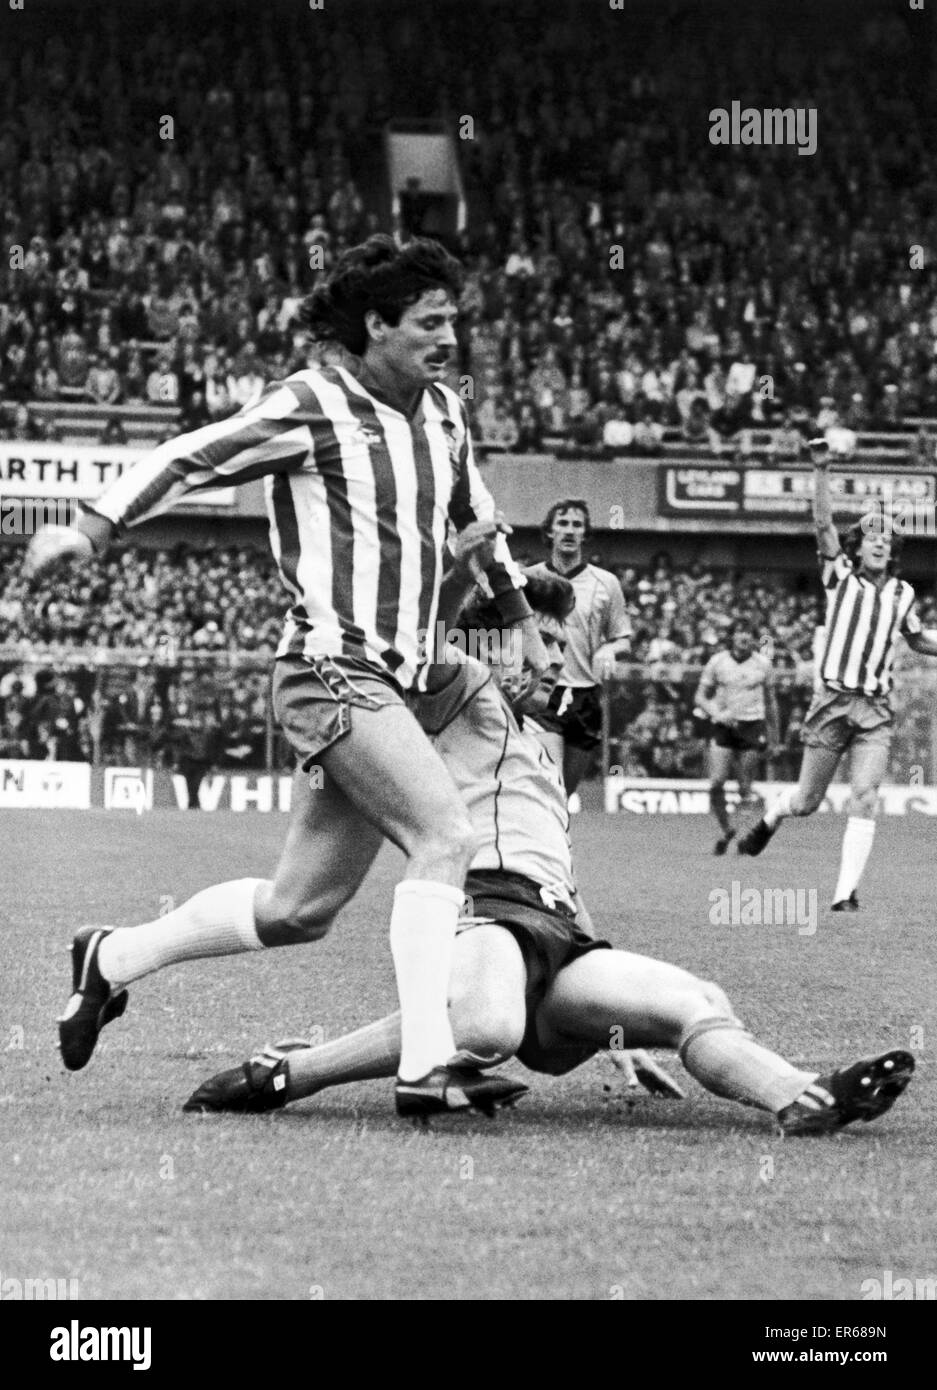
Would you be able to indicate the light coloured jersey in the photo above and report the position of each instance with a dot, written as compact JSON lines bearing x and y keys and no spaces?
{"x":506,"y":778}
{"x":738,"y":687}
{"x":600,"y":616}
{"x":862,"y":627}
{"x":359,"y":498}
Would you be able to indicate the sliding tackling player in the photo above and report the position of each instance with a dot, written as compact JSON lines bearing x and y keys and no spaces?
{"x":528,"y":980}
{"x":364,"y":472}
{"x":867,"y":606}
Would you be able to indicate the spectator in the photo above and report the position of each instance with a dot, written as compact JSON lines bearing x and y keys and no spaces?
{"x":162,"y":384}
{"x":102,"y":383}
{"x":648,"y":435}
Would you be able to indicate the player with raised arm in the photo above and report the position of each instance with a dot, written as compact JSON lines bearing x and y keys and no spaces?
{"x":867,"y":606}
{"x":736,"y":693}
{"x":598,"y":632}
{"x":528,"y":978}
{"x":365,"y":470}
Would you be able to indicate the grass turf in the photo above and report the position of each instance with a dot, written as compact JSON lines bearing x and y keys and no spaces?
{"x":577,"y":1194}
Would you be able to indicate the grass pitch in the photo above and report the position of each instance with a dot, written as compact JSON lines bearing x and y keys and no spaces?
{"x":577,"y":1194}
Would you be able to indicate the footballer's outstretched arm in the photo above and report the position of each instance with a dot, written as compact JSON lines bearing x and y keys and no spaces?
{"x":827,"y":536}
{"x":271,"y":436}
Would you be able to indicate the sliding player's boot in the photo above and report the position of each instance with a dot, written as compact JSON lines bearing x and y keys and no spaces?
{"x":860,"y":1092}
{"x":850,"y":904}
{"x":754,"y":840}
{"x":724,"y":841}
{"x":258,"y":1085}
{"x":92,"y":1004}
{"x":456,"y":1088}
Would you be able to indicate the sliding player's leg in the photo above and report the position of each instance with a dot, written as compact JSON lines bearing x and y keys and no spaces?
{"x":487,"y":1011}
{"x":621,"y":1000}
{"x":869,"y":765}
{"x":614,"y":998}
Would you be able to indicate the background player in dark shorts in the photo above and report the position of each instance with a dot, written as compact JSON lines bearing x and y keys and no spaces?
{"x":736,"y":695}
{"x":598,"y":633}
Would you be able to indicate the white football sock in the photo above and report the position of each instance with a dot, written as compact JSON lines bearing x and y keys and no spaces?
{"x":780,"y":808}
{"x":366,"y":1053}
{"x":219,"y":921}
{"x":422,"y":936}
{"x":857,"y":842}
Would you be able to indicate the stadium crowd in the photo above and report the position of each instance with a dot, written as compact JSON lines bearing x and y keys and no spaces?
{"x":170,"y":195}
{"x":158,"y":641}
{"x":623,"y":275}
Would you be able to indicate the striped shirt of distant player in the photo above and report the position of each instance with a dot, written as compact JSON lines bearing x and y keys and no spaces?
{"x":359,"y":499}
{"x":739,"y":686}
{"x":506,"y":778}
{"x":600,"y":616}
{"x":862,"y":627}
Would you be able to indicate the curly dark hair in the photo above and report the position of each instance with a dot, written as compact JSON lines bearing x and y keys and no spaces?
{"x":378,"y":275}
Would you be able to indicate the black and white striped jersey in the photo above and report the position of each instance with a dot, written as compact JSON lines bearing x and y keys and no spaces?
{"x":862,"y":626}
{"x":359,"y":498}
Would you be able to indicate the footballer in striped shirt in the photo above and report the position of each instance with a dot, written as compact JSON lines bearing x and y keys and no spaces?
{"x":367,"y":469}
{"x":867,"y":608}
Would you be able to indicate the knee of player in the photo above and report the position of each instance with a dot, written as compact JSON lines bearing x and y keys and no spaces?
{"x":295,"y":923}
{"x":493,"y":1038}
{"x":715,"y":998}
{"x":490,"y":1029}
{"x":805,"y":803}
{"x":449,"y":840}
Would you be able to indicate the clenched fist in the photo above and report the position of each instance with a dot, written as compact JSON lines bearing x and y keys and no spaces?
{"x":80,"y":541}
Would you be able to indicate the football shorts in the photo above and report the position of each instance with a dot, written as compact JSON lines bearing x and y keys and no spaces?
{"x":313,"y":698}
{"x":549,"y":938}
{"x":748,"y":735}
{"x":841,"y":719}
